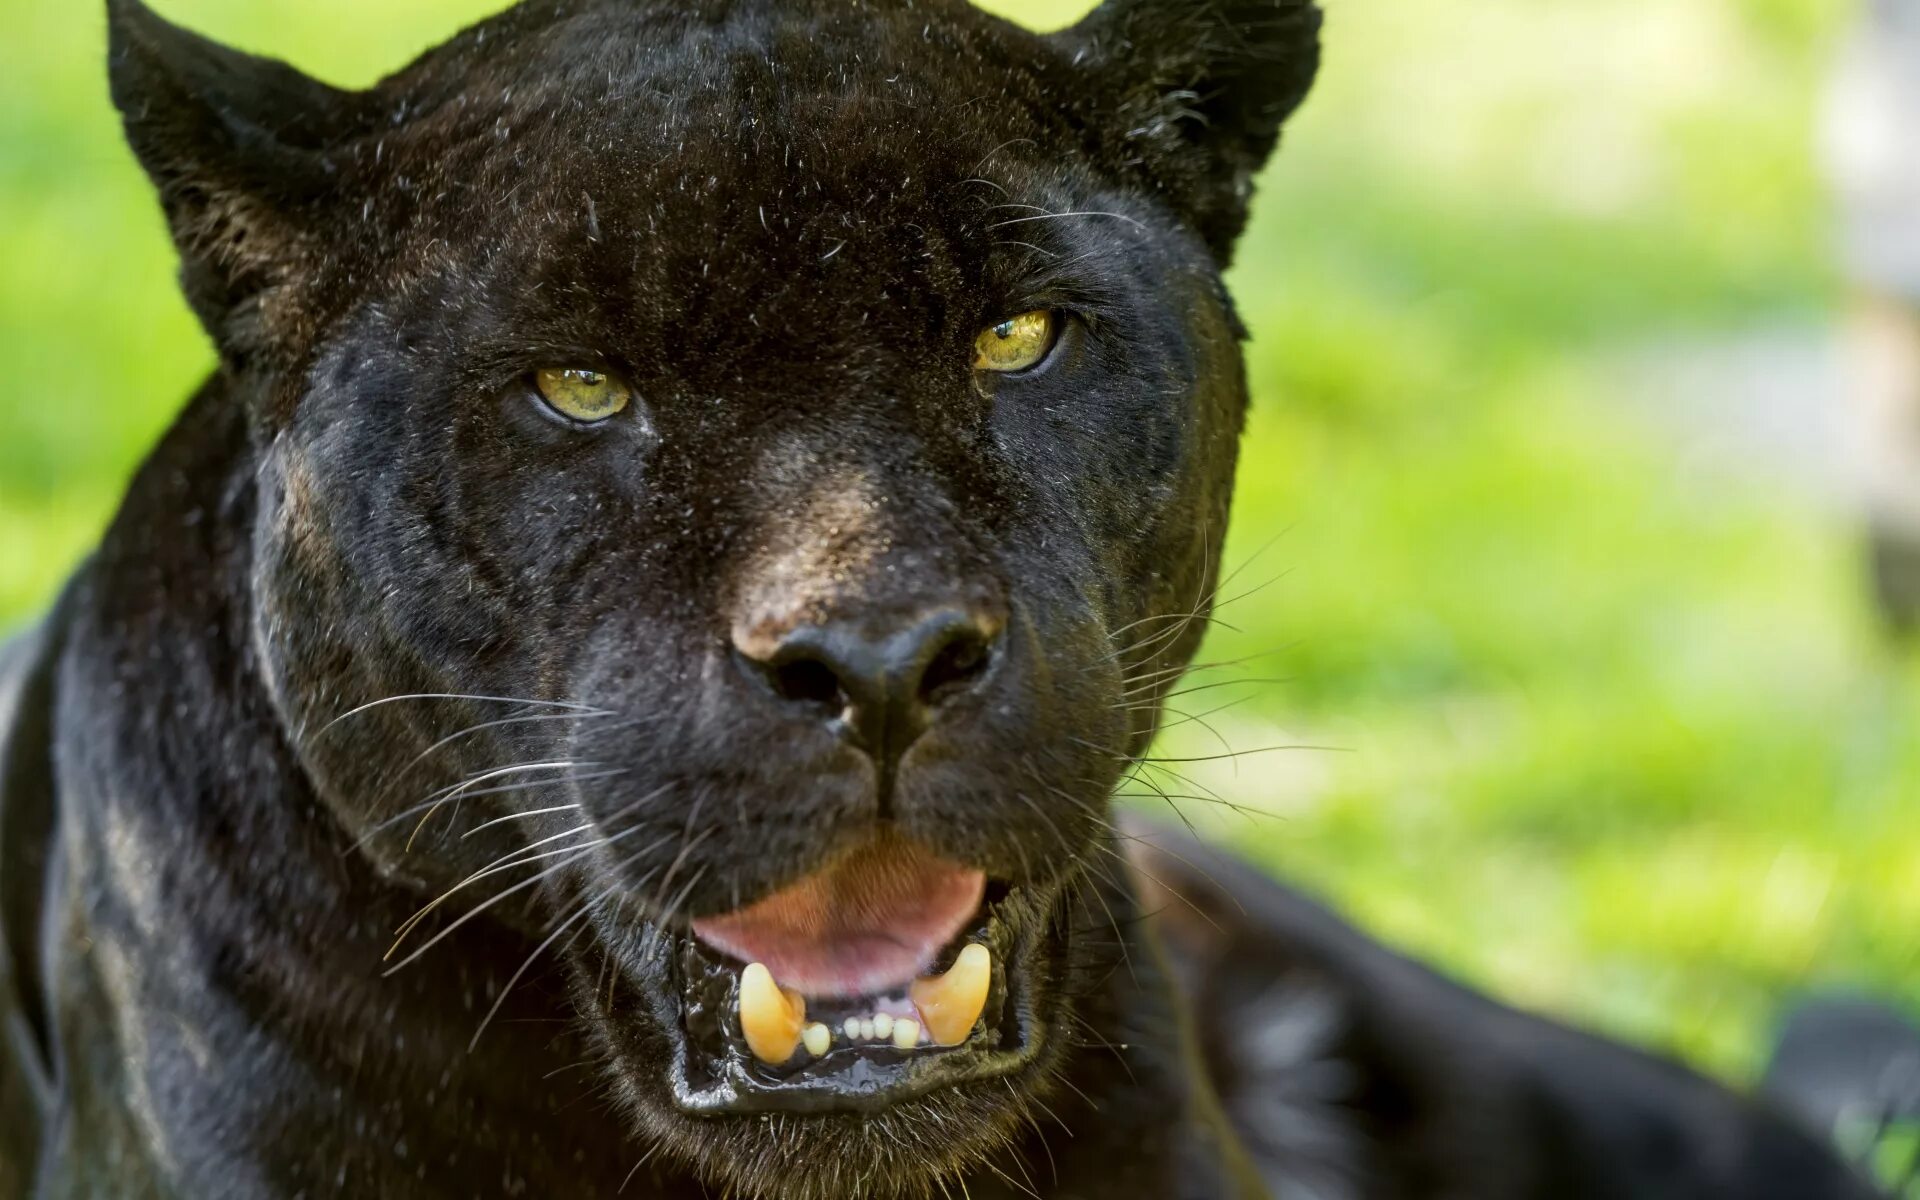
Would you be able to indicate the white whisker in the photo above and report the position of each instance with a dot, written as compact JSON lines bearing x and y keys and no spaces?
{"x":519,"y":816}
{"x":1063,"y":216}
{"x":505,"y":862}
{"x":354,"y":712}
{"x":576,"y":855}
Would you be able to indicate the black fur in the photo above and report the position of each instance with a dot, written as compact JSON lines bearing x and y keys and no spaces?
{"x":1368,"y":1077}
{"x":235,"y":763}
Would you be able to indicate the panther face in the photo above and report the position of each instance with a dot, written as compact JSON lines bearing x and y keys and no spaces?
{"x":800,"y":433}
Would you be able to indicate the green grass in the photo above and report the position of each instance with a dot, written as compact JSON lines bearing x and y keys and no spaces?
{"x":1616,"y":739}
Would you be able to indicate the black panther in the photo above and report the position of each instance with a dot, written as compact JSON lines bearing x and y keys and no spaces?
{"x":614,"y":685}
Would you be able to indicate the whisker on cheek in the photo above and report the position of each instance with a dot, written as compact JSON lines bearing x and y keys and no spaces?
{"x":570,"y":855}
{"x":481,"y":727}
{"x":574,"y":853}
{"x":497,"y":790}
{"x":519,"y":816}
{"x":506,"y":862}
{"x":461,"y":696}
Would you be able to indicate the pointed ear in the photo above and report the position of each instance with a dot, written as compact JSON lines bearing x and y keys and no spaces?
{"x":237,"y":147}
{"x":1194,"y":92}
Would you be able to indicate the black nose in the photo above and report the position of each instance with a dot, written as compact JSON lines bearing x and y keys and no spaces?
{"x":884,"y":685}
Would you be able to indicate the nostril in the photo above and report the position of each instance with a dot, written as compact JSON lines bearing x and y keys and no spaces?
{"x":881,"y":685}
{"x":807,"y":681}
{"x":956,"y":667}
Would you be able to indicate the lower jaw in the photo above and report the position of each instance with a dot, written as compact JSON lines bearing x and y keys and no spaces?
{"x":713,"y":1073}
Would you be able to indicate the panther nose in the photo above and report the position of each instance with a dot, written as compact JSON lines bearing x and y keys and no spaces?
{"x":884,"y":684}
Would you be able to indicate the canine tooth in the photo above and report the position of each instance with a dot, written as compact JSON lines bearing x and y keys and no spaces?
{"x":882,"y":1027}
{"x":817,"y":1038}
{"x":768,"y":1016}
{"x":906,"y":1033}
{"x":949,"y":1004}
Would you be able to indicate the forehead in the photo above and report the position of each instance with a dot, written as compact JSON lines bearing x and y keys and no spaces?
{"x":778,"y":98}
{"x":703,"y":164}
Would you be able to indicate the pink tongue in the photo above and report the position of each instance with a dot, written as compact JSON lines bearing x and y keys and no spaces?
{"x":870,"y":923}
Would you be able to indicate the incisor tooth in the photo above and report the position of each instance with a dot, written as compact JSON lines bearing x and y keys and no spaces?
{"x":769,"y":1016}
{"x":906,"y":1033}
{"x":817,"y":1038}
{"x":882,"y":1026}
{"x":949,"y":1004}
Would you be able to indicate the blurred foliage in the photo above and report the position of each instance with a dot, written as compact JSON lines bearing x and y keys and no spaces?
{"x":1615,"y":738}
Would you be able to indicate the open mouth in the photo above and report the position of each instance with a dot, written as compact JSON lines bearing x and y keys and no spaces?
{"x":886,"y":975}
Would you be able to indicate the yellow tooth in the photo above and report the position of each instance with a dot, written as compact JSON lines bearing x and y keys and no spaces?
{"x":949,"y":1004}
{"x":768,"y":1016}
{"x":906,"y":1033}
{"x":817,"y":1038}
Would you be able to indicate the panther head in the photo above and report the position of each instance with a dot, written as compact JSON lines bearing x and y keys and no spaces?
{"x":794,"y":438}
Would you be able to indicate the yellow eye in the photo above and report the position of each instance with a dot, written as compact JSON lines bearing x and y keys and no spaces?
{"x":1014,"y":344}
{"x":580,"y":395}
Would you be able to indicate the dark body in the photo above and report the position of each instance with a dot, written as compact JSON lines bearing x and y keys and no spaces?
{"x":372,"y":569}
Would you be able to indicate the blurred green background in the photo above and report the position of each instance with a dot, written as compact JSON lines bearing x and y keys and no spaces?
{"x":1538,"y":512}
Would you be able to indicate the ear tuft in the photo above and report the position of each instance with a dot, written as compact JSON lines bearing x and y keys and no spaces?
{"x":1195,"y":92}
{"x":236,"y":146}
